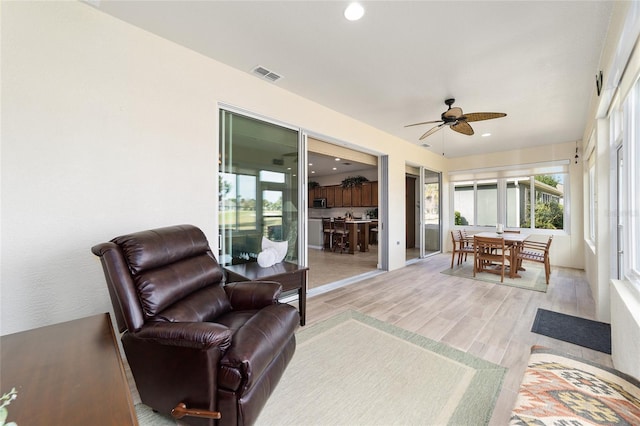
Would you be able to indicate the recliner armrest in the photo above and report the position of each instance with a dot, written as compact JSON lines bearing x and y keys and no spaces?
{"x":198,"y":335}
{"x":246,"y":295}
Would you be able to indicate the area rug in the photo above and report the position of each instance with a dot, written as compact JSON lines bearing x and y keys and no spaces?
{"x":579,"y":331}
{"x":560,"y":389}
{"x":355,"y":370}
{"x":531,"y":279}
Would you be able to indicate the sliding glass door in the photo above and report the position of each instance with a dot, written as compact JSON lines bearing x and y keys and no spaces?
{"x":431,"y":215}
{"x":258,"y":187}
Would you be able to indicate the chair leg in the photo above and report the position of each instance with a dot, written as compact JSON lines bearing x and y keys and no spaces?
{"x":547,"y":271}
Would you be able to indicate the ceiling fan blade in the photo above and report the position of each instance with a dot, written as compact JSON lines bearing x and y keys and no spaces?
{"x":462,"y":127}
{"x":424,"y":122}
{"x":454,"y":112}
{"x":432,"y":131}
{"x":479,"y":116}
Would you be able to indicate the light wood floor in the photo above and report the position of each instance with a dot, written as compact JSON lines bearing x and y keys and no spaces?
{"x":326,"y":266}
{"x":487,"y":320}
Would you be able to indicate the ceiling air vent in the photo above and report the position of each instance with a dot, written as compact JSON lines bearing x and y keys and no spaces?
{"x":266,"y":74}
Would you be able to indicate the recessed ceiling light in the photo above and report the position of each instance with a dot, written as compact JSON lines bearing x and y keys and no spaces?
{"x":484,"y":135}
{"x":335,"y":168}
{"x":313,"y":171}
{"x":337,"y":159}
{"x":354,"y":11}
{"x":311,"y":164}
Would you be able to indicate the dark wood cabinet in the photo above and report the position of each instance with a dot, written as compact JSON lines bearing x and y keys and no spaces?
{"x":374,"y":194}
{"x":346,"y":197}
{"x":331,"y":196}
{"x":356,"y":196}
{"x":339,"y":201}
{"x":365,"y":195}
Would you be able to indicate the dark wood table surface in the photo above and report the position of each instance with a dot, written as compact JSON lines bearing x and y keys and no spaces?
{"x":290,"y":275}
{"x":67,"y":374}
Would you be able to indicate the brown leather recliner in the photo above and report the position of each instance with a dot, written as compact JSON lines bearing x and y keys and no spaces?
{"x":219,"y":350}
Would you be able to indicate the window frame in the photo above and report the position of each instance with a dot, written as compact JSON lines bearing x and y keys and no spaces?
{"x":631,"y":175}
{"x":504,"y":175}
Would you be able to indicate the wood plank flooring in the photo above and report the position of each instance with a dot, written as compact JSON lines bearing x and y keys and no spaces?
{"x":487,"y":320}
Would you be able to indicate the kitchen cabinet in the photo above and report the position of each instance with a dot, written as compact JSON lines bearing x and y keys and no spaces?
{"x":365,"y":195}
{"x":331,"y":196}
{"x":346,"y":197}
{"x":338,"y":202}
{"x":356,"y":196}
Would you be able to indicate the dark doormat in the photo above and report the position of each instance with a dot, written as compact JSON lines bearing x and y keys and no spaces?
{"x":579,"y":331}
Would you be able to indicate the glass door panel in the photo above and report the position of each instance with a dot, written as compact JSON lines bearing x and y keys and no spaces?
{"x":431,"y":213}
{"x":258,"y":187}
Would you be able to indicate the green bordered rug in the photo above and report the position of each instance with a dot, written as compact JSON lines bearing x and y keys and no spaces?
{"x":355,"y":370}
{"x":531,"y":279}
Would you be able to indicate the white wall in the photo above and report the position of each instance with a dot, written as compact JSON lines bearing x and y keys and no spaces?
{"x":617,"y":302}
{"x":108,"y":129}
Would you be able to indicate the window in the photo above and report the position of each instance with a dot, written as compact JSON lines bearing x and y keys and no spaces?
{"x":237,"y":196}
{"x":487,"y":202}
{"x":464,"y":202}
{"x":531,"y":201}
{"x":592,"y":204}
{"x":630,"y":176}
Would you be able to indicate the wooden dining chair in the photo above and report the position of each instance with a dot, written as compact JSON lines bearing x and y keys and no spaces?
{"x":467,"y":238}
{"x":461,"y":248}
{"x":373,"y":232}
{"x":490,"y":255}
{"x":327,"y":232}
{"x":536,"y":251}
{"x":340,"y":235}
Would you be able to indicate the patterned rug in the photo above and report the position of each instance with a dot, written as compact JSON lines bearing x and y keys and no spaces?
{"x":559,"y":389}
{"x":531,"y":279}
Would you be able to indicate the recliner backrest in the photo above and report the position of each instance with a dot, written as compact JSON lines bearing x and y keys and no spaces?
{"x":165,"y":266}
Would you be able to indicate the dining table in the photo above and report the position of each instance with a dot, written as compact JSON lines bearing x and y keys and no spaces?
{"x":358,"y":234}
{"x":514,"y":241}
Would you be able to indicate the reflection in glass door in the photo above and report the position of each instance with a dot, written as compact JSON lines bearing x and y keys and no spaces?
{"x":620,"y":208}
{"x":431,"y":215}
{"x":258,"y":187}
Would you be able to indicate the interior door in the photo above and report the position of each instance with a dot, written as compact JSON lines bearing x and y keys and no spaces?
{"x":410,"y":208}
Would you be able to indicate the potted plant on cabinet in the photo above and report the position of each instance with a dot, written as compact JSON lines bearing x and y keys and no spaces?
{"x":352,"y":181}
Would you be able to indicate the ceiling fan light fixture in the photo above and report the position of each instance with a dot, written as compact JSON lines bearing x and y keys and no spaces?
{"x":354,"y":11}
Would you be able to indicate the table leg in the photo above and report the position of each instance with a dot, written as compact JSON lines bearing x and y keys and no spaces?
{"x":353,"y":237}
{"x":302,"y":304}
{"x":365,"y":238}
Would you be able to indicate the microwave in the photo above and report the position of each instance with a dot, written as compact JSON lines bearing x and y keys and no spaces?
{"x":319,"y":203}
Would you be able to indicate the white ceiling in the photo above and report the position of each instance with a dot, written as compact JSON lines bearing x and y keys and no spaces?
{"x":534,"y":60}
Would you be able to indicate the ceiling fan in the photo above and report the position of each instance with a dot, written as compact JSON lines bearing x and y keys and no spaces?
{"x":459,"y":122}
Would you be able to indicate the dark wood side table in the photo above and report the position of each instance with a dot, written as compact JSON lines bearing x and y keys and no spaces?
{"x":289,"y":275}
{"x":67,"y":374}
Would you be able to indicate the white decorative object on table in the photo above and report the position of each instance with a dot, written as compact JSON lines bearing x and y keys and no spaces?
{"x":272,"y":252}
